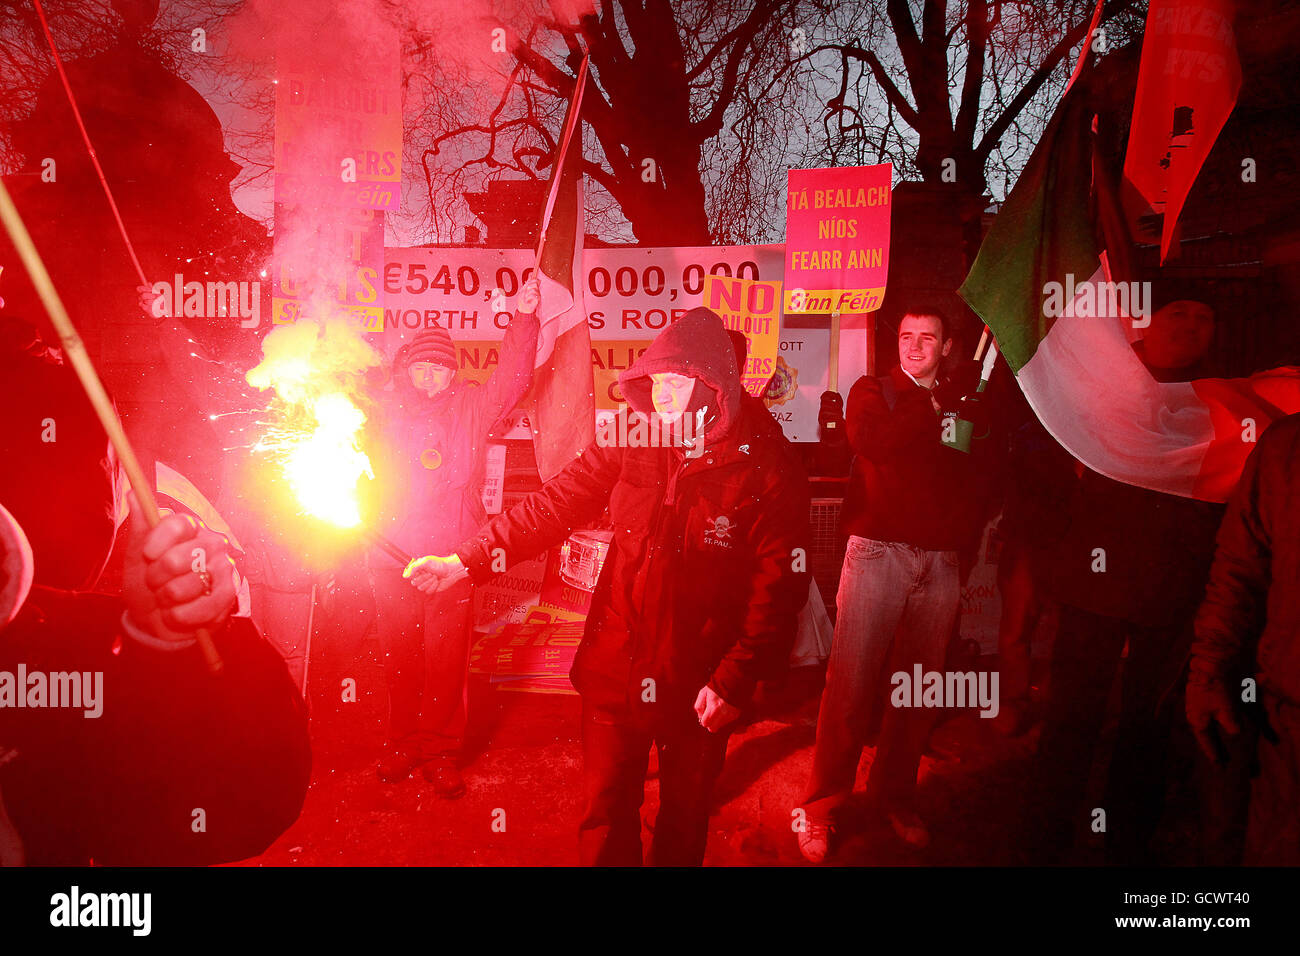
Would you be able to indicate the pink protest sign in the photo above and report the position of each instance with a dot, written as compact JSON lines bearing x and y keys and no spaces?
{"x":837,"y":239}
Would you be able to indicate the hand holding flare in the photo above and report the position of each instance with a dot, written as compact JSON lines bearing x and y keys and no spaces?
{"x":432,"y":573}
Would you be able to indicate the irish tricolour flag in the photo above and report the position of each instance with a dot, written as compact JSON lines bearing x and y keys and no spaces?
{"x":564,"y":411}
{"x":1062,"y":320}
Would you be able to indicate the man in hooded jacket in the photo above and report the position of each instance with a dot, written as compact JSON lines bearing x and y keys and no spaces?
{"x":699,"y":595}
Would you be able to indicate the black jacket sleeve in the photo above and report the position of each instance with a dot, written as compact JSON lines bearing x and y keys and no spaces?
{"x":181,"y":768}
{"x":574,"y":497}
{"x":1236,"y":594}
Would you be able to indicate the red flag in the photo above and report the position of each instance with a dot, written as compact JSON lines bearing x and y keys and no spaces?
{"x":564,"y":415}
{"x":1187,"y":86}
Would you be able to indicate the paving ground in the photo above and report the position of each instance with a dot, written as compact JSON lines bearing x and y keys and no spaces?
{"x":524,"y":769}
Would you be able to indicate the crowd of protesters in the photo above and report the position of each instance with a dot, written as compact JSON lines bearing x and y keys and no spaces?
{"x":1189,"y":604}
{"x":1134,"y":584}
{"x":1136,"y":587}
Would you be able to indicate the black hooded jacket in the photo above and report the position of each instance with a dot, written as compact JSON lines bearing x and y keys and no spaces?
{"x":707,"y":571}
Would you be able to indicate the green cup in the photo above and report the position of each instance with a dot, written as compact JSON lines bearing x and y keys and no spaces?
{"x":956,"y":432}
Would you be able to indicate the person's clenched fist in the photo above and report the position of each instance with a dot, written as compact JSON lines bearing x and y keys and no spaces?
{"x":530,"y":297}
{"x":178,"y":578}
{"x":1209,"y":705}
{"x":148,"y":300}
{"x":714,"y":712}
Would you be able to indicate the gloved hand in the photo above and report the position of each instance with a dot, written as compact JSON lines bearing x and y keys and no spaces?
{"x":975,"y":411}
{"x":830,"y":416}
{"x":957,"y":384}
{"x":1210,"y":708}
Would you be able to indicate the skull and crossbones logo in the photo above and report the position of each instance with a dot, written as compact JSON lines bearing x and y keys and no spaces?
{"x":720,"y":529}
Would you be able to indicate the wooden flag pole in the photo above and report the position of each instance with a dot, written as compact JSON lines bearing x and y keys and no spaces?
{"x":75,"y":349}
{"x":833,"y":355}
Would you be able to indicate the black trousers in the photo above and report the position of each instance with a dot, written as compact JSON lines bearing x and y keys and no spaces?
{"x":426,"y":644}
{"x":1085,"y":659}
{"x":615,"y":755}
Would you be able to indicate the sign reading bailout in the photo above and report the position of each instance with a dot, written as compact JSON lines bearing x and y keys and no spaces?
{"x":752,"y":308}
{"x":837,"y":239}
{"x":342,"y":136}
{"x":338,"y":148}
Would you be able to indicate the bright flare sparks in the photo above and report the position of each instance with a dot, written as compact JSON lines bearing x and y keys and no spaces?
{"x":324,"y":467}
{"x":317,"y":437}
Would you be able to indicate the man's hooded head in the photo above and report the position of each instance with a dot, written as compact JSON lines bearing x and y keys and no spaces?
{"x":696,"y":346}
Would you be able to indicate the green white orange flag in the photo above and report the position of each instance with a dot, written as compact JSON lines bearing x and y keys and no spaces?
{"x":564,"y":412}
{"x":1042,"y":283}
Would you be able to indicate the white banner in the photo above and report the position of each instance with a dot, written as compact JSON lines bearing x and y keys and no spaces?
{"x":630,"y":295}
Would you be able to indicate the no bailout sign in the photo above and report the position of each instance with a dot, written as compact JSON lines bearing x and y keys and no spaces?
{"x":753,"y":309}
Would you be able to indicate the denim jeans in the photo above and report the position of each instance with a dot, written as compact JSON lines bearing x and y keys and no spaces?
{"x":426,"y":643}
{"x":898,"y":607}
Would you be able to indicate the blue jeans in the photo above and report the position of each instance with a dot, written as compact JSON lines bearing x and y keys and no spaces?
{"x":898,"y":607}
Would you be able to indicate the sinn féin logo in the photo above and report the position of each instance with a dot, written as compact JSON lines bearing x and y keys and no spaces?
{"x":719,"y":532}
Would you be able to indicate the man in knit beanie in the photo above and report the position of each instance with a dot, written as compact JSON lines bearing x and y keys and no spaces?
{"x":430,"y":360}
{"x":429,"y":474}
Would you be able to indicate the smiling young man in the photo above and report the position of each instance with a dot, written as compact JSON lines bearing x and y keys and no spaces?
{"x":699,"y":595}
{"x":913,"y":505}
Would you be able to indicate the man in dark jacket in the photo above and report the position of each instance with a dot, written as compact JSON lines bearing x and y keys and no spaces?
{"x":163,"y":764}
{"x":141,"y":757}
{"x":915,"y":506}
{"x":698,"y":597}
{"x":429,"y":476}
{"x":1129,"y":570}
{"x":1247,"y":624}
